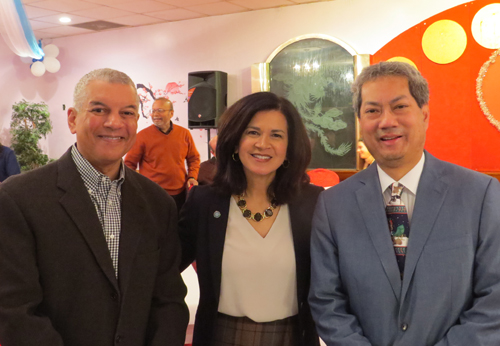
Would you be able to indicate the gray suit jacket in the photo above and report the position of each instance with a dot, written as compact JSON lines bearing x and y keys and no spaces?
{"x":450,"y":294}
{"x":57,"y":282}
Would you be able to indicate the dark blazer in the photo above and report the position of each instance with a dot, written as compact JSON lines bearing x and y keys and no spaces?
{"x":202,"y":236}
{"x":450,"y":292}
{"x":57,"y":282}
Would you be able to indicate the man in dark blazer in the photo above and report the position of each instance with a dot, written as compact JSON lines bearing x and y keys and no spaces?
{"x":89,"y":252}
{"x":446,"y":292}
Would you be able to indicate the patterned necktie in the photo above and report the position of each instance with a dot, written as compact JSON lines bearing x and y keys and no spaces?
{"x":399,"y":226}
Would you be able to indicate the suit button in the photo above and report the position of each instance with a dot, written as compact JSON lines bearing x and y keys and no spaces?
{"x":404,"y":327}
{"x":114,"y":296}
{"x":118,"y":339}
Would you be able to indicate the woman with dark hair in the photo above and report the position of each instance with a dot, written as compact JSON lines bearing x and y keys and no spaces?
{"x":8,"y":163}
{"x":364,"y":154}
{"x":249,"y":231}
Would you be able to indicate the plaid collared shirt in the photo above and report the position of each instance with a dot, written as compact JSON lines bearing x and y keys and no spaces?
{"x":106,"y":196}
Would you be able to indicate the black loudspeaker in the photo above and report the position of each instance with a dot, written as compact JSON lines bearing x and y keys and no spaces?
{"x":207,"y":98}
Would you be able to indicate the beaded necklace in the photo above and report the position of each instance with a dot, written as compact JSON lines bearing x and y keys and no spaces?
{"x":257,"y":217}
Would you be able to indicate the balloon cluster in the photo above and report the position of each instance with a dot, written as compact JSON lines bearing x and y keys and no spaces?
{"x":46,"y":63}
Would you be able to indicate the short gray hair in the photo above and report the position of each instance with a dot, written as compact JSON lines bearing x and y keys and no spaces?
{"x":103,"y":74}
{"x":417,"y":84}
{"x":164,"y":99}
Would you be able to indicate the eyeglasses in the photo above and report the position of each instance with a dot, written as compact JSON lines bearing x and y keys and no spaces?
{"x":161,"y":111}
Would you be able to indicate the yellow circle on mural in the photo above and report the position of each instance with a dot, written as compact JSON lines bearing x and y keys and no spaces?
{"x":444,"y":41}
{"x":403,"y":59}
{"x":486,"y":26}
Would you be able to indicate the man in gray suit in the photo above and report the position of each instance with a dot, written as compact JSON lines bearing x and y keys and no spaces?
{"x":436,"y":283}
{"x":89,"y":251}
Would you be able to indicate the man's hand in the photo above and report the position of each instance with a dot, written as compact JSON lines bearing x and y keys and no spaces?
{"x":191,"y":182}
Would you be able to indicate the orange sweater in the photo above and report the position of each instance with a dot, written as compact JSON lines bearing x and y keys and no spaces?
{"x":163,"y":157}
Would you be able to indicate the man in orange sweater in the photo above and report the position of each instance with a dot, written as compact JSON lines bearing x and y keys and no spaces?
{"x":162,"y":151}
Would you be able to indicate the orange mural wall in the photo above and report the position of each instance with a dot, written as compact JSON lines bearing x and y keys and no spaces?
{"x":459,"y":131}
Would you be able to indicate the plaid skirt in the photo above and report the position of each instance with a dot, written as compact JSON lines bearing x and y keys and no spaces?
{"x":242,"y":331}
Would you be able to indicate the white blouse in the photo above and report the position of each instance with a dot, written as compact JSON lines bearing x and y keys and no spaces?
{"x":258,"y":274}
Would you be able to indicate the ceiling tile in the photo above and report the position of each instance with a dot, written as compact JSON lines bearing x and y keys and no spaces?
{"x":144,"y":6}
{"x":112,"y":2}
{"x":63,"y":5}
{"x":44,"y":35}
{"x":45,"y":14}
{"x":136,"y":20}
{"x":177,"y":14}
{"x":37,"y":25}
{"x":67,"y":30}
{"x":217,"y":8}
{"x":258,"y":4}
{"x":186,"y":3}
{"x":34,"y":12}
{"x":55,"y":19}
{"x":103,"y":12}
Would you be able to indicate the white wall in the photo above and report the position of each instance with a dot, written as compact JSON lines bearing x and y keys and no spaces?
{"x":163,"y":53}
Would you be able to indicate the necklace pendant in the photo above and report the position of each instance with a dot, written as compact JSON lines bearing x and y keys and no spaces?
{"x":257,"y":217}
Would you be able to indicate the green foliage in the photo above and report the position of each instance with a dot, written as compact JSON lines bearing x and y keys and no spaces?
{"x":30,"y":121}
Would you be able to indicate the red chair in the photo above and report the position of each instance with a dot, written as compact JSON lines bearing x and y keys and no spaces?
{"x":323,"y":177}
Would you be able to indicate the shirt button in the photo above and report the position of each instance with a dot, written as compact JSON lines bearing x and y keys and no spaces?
{"x":404,"y":327}
{"x":110,"y":202}
{"x":112,"y":236}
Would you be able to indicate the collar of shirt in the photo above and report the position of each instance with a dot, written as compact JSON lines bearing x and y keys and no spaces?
{"x":91,"y":176}
{"x":169,"y":129}
{"x":409,"y":181}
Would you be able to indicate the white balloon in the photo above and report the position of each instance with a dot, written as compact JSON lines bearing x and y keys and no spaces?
{"x":51,"y":64}
{"x":38,"y":69}
{"x":27,"y":59}
{"x":51,"y":50}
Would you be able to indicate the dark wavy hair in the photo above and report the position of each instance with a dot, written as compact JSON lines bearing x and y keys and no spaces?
{"x":230,"y":177}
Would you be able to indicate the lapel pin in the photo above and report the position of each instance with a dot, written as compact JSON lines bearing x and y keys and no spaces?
{"x":216,"y":214}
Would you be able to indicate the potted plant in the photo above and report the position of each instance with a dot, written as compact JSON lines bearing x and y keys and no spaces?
{"x":30,"y":121}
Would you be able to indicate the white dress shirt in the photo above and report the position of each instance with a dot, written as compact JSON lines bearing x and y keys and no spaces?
{"x":258,"y":274}
{"x":409,"y":181}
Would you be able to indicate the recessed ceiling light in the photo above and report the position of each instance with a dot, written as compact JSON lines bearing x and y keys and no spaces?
{"x":65,"y":20}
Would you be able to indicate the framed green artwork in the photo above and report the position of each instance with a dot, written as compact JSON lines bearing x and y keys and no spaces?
{"x":315,"y":73}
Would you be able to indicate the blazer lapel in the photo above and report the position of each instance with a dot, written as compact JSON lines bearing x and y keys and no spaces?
{"x":77,"y":203}
{"x":371,"y":204}
{"x":297,"y":221}
{"x":132,"y":223}
{"x":217,"y":235}
{"x":431,"y":193}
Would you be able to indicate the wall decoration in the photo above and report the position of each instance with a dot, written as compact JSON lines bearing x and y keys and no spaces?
{"x":315,"y":73}
{"x":48,"y":62}
{"x":403,"y":59}
{"x":487,"y":87}
{"x":459,"y":131}
{"x":444,"y":41}
{"x":147,"y":96}
{"x":16,"y":30}
{"x":486,"y":26}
